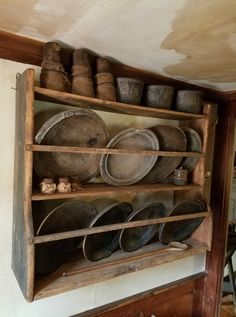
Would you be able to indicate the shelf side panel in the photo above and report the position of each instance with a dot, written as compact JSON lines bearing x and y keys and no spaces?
{"x":22,"y":249}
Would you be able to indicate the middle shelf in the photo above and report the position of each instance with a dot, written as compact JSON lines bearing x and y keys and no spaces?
{"x":90,"y":190}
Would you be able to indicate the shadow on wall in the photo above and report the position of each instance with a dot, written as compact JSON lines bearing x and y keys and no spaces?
{"x":205,"y":32}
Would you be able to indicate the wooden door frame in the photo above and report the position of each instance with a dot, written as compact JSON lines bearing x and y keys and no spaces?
{"x":220,"y":196}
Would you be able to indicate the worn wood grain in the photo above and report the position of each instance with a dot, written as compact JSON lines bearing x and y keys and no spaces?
{"x":91,"y":190}
{"x":106,"y":228}
{"x":63,"y":279}
{"x":111,"y":106}
{"x":74,"y":149}
{"x":163,"y":299}
{"x":22,"y":246}
{"x":221,"y":184}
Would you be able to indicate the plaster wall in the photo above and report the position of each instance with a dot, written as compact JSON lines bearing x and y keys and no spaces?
{"x":12,"y":302}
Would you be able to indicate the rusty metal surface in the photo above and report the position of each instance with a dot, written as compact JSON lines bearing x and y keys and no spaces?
{"x":67,"y":216}
{"x":129,"y":90}
{"x":102,"y":245}
{"x":170,"y":139}
{"x":134,"y":238}
{"x":194,"y":144}
{"x":71,"y":128}
{"x":180,"y":230}
{"x":121,"y":170}
{"x":160,"y":96}
{"x":189,"y":101}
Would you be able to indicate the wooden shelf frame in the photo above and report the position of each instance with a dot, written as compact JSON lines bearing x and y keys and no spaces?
{"x":100,"y":151}
{"x":81,"y":272}
{"x":24,"y":240}
{"x":117,"y":226}
{"x":91,"y":190}
{"x":111,"y":106}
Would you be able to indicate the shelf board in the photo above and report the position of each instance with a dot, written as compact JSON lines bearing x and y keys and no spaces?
{"x":89,"y":150}
{"x":117,"y":226}
{"x":103,"y":189}
{"x":80,"y":272}
{"x":111,"y":106}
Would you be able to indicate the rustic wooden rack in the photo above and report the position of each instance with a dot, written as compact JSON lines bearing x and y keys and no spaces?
{"x":69,"y":276}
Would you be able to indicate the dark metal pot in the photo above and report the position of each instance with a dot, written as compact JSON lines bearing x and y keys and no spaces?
{"x":189,"y":101}
{"x":159,"y":96}
{"x":129,"y":90}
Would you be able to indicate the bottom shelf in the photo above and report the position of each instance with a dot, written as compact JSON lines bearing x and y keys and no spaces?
{"x":81,"y":272}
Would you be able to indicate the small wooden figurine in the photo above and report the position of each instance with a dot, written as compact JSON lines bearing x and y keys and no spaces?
{"x":64,"y":185}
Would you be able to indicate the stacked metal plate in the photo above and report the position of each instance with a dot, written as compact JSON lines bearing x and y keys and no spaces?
{"x":127,"y":169}
{"x":67,"y":216}
{"x":132,"y":239}
{"x":194,"y":144}
{"x":170,"y":138}
{"x":101,"y":245}
{"x":180,"y":230}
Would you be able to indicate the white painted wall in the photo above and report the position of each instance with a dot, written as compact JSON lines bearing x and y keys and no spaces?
{"x":12,"y":302}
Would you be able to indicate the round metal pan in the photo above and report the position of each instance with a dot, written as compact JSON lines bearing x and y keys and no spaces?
{"x":71,"y":128}
{"x":170,"y":139}
{"x":194,"y":144}
{"x":134,"y":238}
{"x":121,"y":170}
{"x":180,"y":230}
{"x":68,"y":216}
{"x":101,"y":245}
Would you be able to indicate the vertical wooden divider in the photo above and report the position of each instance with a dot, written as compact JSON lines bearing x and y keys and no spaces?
{"x":201,"y":175}
{"x":23,"y":249}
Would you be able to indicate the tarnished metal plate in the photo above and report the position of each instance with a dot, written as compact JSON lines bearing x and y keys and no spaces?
{"x":127,"y":169}
{"x":134,"y":238}
{"x":180,"y":230}
{"x":102,"y":245}
{"x":71,"y":128}
{"x":194,"y":144}
{"x":68,"y":216}
{"x":170,"y":138}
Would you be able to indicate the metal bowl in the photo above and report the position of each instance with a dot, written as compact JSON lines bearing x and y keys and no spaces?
{"x":180,"y":230}
{"x":101,"y":245}
{"x":127,"y":169}
{"x":76,"y":214}
{"x":129,"y":90}
{"x":134,"y":238}
{"x":71,"y":128}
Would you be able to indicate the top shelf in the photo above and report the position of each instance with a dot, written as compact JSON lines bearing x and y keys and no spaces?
{"x":111,"y":106}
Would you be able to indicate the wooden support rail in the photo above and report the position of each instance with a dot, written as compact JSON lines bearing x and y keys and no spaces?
{"x":90,"y":190}
{"x":118,"y":226}
{"x":88,"y":150}
{"x":111,"y":106}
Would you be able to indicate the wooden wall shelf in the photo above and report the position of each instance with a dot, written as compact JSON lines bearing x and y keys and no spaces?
{"x":102,"y":189}
{"x":80,"y":272}
{"x":111,"y":106}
